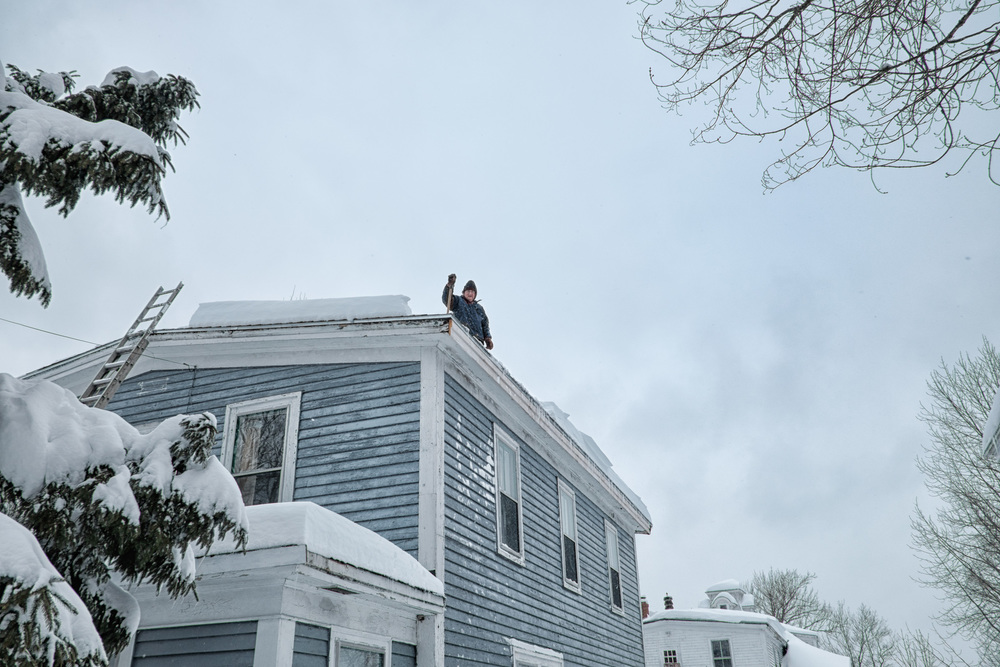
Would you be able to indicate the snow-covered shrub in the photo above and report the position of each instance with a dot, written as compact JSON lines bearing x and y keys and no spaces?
{"x":100,"y":497}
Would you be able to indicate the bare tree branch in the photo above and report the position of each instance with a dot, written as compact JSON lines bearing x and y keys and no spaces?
{"x":863,"y":84}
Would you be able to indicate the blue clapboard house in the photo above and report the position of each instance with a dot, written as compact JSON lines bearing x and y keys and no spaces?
{"x":406,"y":426}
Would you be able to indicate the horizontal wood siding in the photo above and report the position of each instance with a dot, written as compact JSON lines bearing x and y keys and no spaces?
{"x":491,"y":598}
{"x":359,"y":430}
{"x":230,"y":644}
{"x":404,"y":655}
{"x":312,"y":646}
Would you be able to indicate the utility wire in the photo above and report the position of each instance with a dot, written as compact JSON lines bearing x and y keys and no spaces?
{"x":89,"y":342}
{"x":28,"y":326}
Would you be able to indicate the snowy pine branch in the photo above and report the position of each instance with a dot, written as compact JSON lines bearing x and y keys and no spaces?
{"x":21,"y":257}
{"x":42,"y":621}
{"x":44,"y":86}
{"x":55,"y":144}
{"x":101,"y":498}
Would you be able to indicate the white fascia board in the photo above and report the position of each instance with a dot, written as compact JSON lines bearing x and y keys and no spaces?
{"x":273,"y":345}
{"x":260,"y":568}
{"x":375,"y":585}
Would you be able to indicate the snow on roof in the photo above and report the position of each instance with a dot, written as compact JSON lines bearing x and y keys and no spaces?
{"x":717,"y":616}
{"x":331,"y":535}
{"x":725,"y":585}
{"x":799,"y":654}
{"x":587,"y":444}
{"x":239,"y":313}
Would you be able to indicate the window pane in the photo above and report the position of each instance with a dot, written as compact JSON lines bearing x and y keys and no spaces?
{"x":510,"y":530}
{"x":616,"y":589}
{"x":612,"y":539}
{"x":567,"y":514}
{"x":356,"y":657}
{"x":569,"y":558}
{"x":259,"y":489}
{"x":721,"y":655}
{"x":260,"y":440}
{"x":507,"y":470}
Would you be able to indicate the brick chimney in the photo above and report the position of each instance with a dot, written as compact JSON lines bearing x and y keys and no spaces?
{"x":645,"y":606}
{"x":668,"y":602}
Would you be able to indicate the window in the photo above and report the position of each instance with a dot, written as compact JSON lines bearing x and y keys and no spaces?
{"x":508,"y":480}
{"x":567,"y":523}
{"x":721,"y":655}
{"x":260,"y":445}
{"x":527,"y":655}
{"x":670,"y":657}
{"x":614,"y":565}
{"x":356,"y":656}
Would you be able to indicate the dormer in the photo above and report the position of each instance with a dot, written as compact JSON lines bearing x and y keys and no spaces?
{"x":729,"y":594}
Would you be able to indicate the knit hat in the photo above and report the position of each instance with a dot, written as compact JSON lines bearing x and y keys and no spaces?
{"x":470,"y":285}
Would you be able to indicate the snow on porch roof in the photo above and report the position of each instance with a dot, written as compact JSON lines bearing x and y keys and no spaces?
{"x":240,"y":313}
{"x":329,"y":534}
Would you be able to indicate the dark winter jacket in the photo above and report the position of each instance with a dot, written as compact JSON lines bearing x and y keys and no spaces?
{"x":471,"y":315}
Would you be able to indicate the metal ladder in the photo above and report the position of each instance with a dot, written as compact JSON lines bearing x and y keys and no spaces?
{"x":123,"y":357}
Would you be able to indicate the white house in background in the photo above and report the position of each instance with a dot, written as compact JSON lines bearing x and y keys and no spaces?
{"x":724,"y":631}
{"x":306,"y":571}
{"x":728,"y":594}
{"x":727,"y":638}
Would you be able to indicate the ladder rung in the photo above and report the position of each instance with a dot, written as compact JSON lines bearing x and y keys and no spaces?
{"x":116,"y":368}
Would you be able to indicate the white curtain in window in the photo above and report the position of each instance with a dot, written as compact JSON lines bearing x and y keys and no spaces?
{"x":567,"y":514}
{"x":507,"y":470}
{"x":612,"y":537}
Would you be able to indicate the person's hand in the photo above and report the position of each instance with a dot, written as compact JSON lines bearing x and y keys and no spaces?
{"x":451,"y":280}
{"x":489,"y":343}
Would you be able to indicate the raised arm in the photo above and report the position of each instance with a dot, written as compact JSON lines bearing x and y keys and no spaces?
{"x":449,"y":291}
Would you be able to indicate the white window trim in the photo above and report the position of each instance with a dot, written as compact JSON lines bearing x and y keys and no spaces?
{"x":503,"y":549}
{"x":349,"y":642}
{"x":523,"y":653}
{"x":677,"y":657}
{"x":576,"y":586}
{"x":711,"y":653}
{"x":293,"y":403}
{"x":362,"y":640}
{"x":609,"y":530}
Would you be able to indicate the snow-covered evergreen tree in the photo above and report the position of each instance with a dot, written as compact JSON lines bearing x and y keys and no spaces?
{"x":87,"y":501}
{"x":55,"y":143}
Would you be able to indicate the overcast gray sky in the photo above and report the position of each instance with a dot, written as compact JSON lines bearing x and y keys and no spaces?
{"x":752,"y":364}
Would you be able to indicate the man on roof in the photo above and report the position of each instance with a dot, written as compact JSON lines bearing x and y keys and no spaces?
{"x":468,"y":311}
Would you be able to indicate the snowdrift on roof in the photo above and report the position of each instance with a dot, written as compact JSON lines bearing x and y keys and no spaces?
{"x":242,"y":313}
{"x":329,"y":534}
{"x":799,"y":653}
